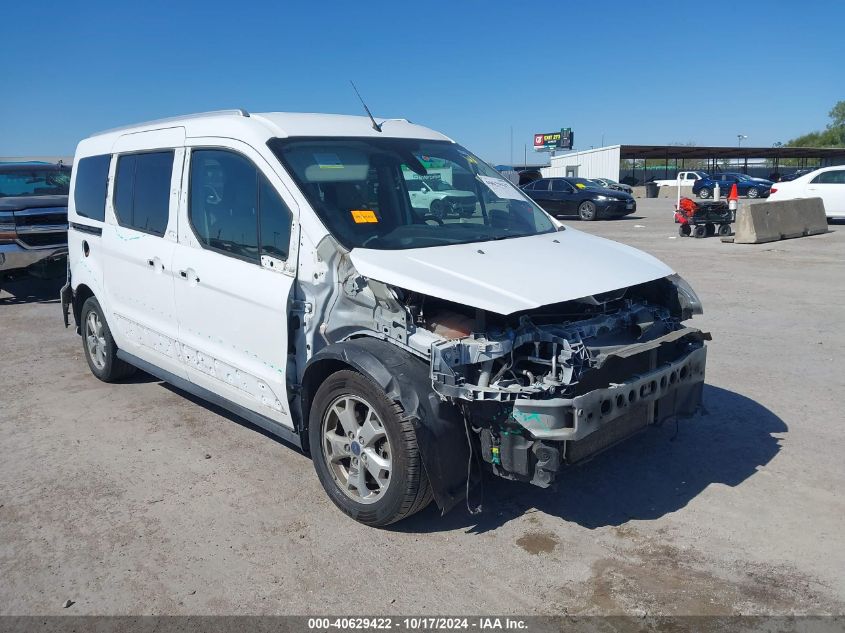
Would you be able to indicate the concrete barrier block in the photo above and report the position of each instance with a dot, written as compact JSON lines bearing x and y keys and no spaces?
{"x":784,"y":219}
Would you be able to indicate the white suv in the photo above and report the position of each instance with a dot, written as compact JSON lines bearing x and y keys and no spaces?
{"x":274,"y":264}
{"x":440,"y":199}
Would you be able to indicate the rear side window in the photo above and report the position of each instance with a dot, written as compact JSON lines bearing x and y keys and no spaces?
{"x":89,"y":193}
{"x":142,"y":191}
{"x":835,"y":177}
{"x":561,"y":185}
{"x":234,"y":209}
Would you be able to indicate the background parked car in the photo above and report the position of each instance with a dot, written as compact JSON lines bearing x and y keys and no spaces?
{"x":33,"y":217}
{"x":564,"y":196}
{"x":686,"y":178}
{"x":528,"y":175}
{"x":794,"y":175}
{"x":607,"y":183}
{"x":827,"y":183}
{"x":440,"y":199}
{"x":745,"y":185}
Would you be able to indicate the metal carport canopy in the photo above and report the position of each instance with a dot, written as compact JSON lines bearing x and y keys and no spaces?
{"x":691,"y":151}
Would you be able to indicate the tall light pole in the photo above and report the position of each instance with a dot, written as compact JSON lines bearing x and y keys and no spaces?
{"x":511,"y":146}
{"x":740,"y":138}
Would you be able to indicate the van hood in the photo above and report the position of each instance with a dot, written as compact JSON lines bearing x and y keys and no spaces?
{"x":512,"y":275}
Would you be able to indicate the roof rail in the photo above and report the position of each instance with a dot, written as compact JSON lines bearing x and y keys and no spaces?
{"x":172,"y":119}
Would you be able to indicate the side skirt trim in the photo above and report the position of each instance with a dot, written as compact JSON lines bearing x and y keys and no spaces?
{"x":271,"y":426}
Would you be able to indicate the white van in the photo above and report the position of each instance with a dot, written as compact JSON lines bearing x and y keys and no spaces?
{"x":274,"y":264}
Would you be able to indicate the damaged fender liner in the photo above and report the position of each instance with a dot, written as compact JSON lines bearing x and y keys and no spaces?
{"x":439,"y":425}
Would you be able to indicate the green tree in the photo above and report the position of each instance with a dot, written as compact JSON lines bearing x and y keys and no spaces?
{"x":837,"y":115}
{"x":832,"y":136}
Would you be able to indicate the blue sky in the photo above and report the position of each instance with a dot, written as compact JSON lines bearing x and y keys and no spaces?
{"x":628,"y":72}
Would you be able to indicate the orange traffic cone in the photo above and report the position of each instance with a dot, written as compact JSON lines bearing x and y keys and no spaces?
{"x":732,"y":198}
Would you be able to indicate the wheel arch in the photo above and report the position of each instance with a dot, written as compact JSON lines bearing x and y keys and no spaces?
{"x":82,"y":293}
{"x":438,"y":426}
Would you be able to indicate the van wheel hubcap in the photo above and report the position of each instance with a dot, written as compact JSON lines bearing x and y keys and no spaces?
{"x":95,"y":340}
{"x":356,"y":449}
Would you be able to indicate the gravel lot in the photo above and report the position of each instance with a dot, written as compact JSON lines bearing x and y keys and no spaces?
{"x":134,"y":499}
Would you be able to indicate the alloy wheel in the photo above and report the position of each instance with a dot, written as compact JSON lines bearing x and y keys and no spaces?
{"x":356,"y":449}
{"x":95,"y":340}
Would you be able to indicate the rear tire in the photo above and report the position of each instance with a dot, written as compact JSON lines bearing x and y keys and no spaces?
{"x":587,"y":211}
{"x":724,"y":229}
{"x":704,"y":193}
{"x":684,"y":230}
{"x":99,"y":346}
{"x":699,"y":231}
{"x":753,"y":193}
{"x":365,"y":454}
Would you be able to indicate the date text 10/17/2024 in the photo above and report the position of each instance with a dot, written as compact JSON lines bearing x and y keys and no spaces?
{"x":417,"y":623}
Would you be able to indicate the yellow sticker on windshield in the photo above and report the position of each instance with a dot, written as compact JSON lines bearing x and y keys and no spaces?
{"x":364,"y":216}
{"x":580,"y":185}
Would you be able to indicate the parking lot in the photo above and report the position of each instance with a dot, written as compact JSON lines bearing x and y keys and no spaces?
{"x":134,"y":499}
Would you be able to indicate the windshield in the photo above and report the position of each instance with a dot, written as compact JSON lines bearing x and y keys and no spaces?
{"x":369,"y":194}
{"x":33,"y":181}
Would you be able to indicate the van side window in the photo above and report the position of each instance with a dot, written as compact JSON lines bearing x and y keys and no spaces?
{"x":228,"y":196}
{"x":89,"y":193}
{"x":142,"y":191}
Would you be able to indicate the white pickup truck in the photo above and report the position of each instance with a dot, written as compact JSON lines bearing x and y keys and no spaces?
{"x":686,"y":178}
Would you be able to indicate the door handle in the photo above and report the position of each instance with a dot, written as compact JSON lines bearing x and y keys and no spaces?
{"x":193,"y":277}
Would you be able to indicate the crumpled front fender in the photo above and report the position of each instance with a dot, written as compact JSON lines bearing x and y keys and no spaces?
{"x":439,"y":426}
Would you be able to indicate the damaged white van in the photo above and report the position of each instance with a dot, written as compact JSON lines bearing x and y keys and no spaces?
{"x":276,"y":265}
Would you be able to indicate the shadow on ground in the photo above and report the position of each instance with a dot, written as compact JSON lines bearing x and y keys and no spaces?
{"x":30,"y":290}
{"x":652,"y":474}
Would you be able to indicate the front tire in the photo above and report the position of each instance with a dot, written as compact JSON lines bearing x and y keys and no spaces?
{"x":587,"y":211}
{"x":365,"y":454}
{"x":704,"y":193}
{"x":99,"y":346}
{"x":438,"y":209}
{"x":753,"y":193}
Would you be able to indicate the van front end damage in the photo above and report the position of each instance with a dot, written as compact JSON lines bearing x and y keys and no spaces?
{"x":530,"y":391}
{"x":557,"y":389}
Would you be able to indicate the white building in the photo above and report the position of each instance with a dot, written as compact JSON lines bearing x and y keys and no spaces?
{"x":601,"y":162}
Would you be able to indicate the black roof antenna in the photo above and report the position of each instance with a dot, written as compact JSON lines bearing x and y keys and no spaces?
{"x":376,"y":126}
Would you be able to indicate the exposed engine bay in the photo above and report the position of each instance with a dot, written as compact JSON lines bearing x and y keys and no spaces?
{"x":546,"y":387}
{"x":561,"y":383}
